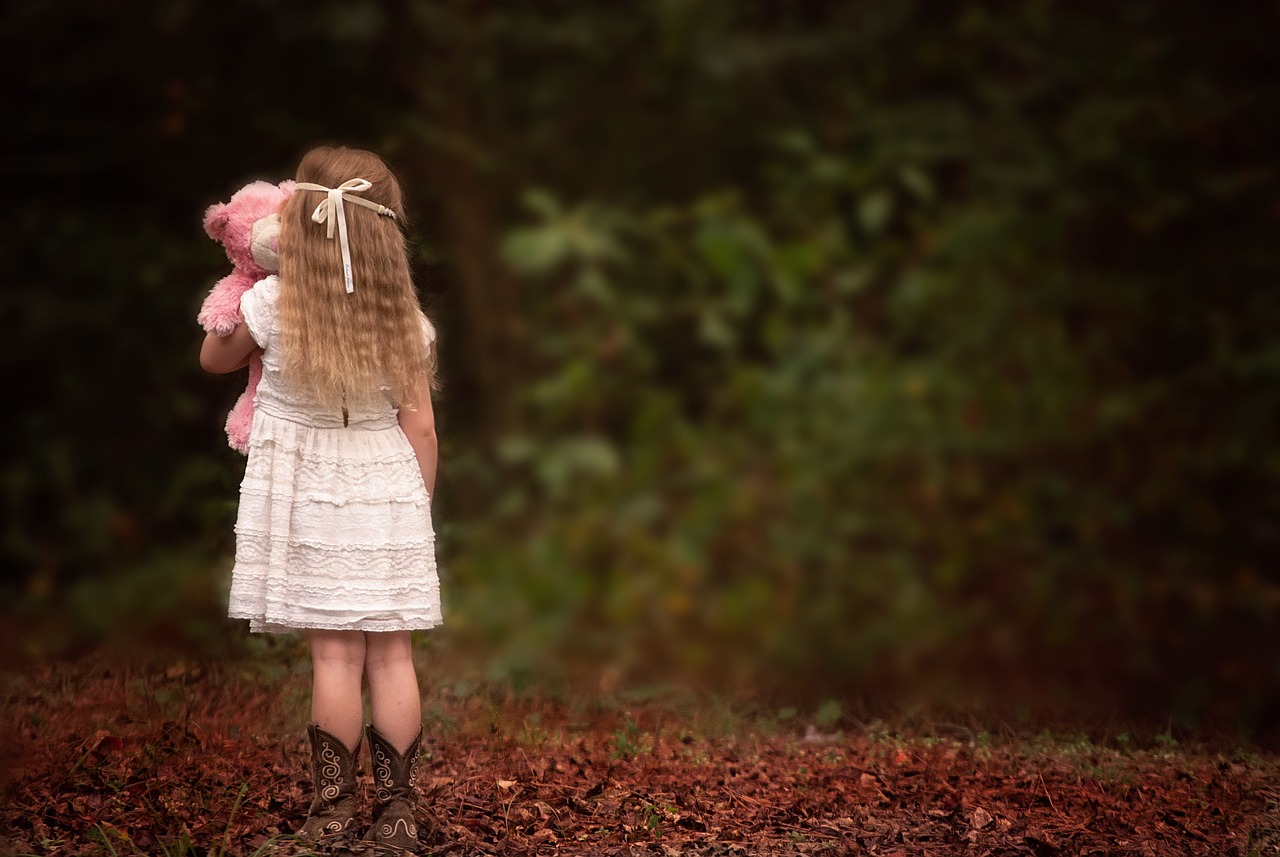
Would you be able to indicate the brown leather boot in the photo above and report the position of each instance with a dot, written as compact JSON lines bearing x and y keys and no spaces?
{"x":395,"y":795}
{"x":333,"y":767}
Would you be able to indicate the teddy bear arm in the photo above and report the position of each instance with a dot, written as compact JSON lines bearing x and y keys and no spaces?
{"x":220,"y":312}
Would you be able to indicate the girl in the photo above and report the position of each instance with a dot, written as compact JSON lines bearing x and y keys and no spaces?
{"x":334,"y":531}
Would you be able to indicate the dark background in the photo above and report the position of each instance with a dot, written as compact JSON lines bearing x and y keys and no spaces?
{"x":897,"y":354}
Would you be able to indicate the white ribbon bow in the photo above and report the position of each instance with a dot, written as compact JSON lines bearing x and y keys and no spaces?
{"x":330,"y":209}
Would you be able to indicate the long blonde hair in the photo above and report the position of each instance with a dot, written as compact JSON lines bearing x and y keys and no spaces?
{"x":343,"y":347}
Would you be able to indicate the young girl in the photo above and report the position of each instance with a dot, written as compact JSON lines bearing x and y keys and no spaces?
{"x":334,"y":531}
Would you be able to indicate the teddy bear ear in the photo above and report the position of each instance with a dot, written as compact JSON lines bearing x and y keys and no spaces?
{"x":215,"y":221}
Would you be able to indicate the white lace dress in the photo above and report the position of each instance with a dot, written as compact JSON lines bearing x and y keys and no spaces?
{"x":334,"y":528}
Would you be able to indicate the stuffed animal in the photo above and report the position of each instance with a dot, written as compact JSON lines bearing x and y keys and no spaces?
{"x":247,"y":226}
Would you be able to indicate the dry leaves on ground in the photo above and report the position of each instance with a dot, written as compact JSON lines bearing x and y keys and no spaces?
{"x":117,"y":775}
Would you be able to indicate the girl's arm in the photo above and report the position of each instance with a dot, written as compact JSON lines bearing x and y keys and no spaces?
{"x":222,"y":354}
{"x":419,"y":426}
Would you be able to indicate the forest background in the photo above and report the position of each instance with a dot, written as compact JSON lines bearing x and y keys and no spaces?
{"x":912,"y":356}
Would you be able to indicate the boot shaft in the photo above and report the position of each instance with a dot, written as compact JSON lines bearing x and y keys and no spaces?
{"x":332,"y":764}
{"x":333,"y":769}
{"x":395,"y":774}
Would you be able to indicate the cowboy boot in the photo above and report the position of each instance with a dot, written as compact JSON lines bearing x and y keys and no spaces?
{"x":395,"y":793}
{"x":334,"y":770}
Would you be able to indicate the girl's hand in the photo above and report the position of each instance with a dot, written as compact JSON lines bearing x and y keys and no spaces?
{"x":222,"y":354}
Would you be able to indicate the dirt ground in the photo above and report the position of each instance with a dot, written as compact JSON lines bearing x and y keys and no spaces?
{"x":186,"y":758}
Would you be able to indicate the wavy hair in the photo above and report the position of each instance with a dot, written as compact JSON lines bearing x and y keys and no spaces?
{"x":343,"y":348}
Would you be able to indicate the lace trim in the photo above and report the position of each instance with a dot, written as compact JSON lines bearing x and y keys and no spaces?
{"x":360,"y":604}
{"x":255,"y":539}
{"x":262,"y":625}
{"x":382,"y":453}
{"x":302,"y":561}
{"x":302,"y":497}
{"x":256,"y":579}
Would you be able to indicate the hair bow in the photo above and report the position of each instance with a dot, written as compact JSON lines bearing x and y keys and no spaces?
{"x":330,"y":210}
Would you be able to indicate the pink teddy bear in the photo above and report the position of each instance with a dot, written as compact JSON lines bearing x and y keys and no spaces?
{"x":247,"y":226}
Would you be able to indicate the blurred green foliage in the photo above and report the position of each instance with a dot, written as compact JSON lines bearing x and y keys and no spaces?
{"x":815,"y":348}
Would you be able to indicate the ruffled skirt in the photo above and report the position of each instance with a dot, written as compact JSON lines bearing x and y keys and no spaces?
{"x":334,"y":531}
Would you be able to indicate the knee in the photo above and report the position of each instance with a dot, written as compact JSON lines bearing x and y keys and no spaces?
{"x":388,"y":649}
{"x":338,"y":649}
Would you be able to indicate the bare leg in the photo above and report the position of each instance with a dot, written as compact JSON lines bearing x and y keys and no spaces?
{"x":337,"y":660}
{"x":393,"y":687}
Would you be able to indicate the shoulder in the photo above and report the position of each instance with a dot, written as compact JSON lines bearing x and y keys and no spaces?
{"x":258,"y":308}
{"x":268,"y":287}
{"x":263,"y":294}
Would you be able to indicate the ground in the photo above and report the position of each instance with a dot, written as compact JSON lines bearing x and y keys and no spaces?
{"x":176,"y":756}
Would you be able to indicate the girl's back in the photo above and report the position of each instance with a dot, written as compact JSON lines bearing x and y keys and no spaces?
{"x":286,"y":394}
{"x":334,"y":527}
